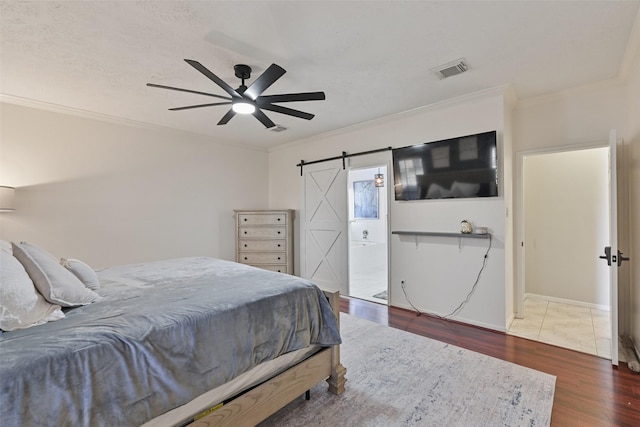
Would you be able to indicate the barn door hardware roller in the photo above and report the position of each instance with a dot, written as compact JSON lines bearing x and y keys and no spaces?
{"x":343,"y":156}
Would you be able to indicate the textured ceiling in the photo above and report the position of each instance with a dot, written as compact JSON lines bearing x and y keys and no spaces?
{"x":372,"y":59}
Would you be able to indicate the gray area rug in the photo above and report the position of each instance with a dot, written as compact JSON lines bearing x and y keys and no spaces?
{"x":396,"y":378}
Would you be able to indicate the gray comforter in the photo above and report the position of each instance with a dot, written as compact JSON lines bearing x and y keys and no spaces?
{"x":161,"y":334}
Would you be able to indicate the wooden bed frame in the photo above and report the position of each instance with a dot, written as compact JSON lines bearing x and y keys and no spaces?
{"x":259,"y":403}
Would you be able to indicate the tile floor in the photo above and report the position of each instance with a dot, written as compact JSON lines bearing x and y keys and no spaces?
{"x":584,"y":329}
{"x":365,"y":285}
{"x":368,"y":271}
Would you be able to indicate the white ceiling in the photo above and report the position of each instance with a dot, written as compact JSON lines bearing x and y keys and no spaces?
{"x":372,"y":59}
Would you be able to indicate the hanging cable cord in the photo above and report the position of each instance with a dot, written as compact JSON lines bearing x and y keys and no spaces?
{"x":463,"y":303}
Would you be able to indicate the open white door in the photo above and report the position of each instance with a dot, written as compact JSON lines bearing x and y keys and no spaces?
{"x":611,"y":253}
{"x":323,"y":247}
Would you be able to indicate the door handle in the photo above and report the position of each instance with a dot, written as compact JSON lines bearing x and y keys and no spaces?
{"x":607,"y":255}
{"x":621,"y":258}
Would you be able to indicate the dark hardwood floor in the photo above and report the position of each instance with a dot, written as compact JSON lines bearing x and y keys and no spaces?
{"x":589,"y":391}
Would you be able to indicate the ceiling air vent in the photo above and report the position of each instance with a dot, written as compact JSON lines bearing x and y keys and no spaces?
{"x":277,"y":128}
{"x":451,"y":69}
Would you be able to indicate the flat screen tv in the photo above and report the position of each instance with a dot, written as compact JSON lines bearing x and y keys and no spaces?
{"x":455,"y":168}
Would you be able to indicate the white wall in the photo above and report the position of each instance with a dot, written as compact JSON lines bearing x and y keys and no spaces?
{"x":580,"y":116}
{"x":438,"y":270}
{"x":112,"y":194}
{"x":567,"y":225}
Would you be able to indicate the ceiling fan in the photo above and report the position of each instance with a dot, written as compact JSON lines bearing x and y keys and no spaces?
{"x":249,"y":100}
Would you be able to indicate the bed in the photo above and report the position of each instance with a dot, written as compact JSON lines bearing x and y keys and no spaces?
{"x":190,"y":341}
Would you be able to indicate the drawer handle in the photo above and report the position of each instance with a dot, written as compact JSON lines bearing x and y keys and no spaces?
{"x":245,"y":245}
{"x":278,"y":258}
{"x":245,"y":219}
{"x":278,"y":232}
{"x":279,"y":271}
{"x":278,"y":219}
{"x":245,"y":232}
{"x":278,"y":245}
{"x":245,"y":258}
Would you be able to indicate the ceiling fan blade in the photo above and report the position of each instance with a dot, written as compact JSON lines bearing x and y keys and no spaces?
{"x":187,"y":90}
{"x":266,"y":79}
{"x":291,"y":97}
{"x":199,"y":106}
{"x":217,"y":80}
{"x":266,"y":121}
{"x":288,"y":111}
{"x":225,"y":119}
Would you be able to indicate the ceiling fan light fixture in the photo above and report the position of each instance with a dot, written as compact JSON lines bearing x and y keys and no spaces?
{"x":243,"y":107}
{"x":249,"y":100}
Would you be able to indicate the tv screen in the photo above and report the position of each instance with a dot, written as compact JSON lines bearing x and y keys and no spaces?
{"x":454,"y":168}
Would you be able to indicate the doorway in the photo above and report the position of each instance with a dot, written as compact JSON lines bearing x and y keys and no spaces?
{"x":368,"y":231}
{"x":565,"y":226}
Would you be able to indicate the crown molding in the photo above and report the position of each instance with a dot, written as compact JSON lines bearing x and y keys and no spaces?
{"x":91,"y":115}
{"x":85,"y":114}
{"x":447,"y":103}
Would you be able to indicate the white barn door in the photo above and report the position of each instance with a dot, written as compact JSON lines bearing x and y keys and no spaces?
{"x":323,"y":246}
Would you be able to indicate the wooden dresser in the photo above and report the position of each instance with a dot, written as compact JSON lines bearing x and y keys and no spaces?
{"x":264,"y":238}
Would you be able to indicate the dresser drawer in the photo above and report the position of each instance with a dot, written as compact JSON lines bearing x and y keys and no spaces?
{"x":263,"y":257}
{"x":276,"y":268}
{"x":262,"y":232}
{"x":262,"y":245}
{"x":262,"y":219}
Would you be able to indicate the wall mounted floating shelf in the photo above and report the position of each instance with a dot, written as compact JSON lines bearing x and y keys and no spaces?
{"x":441,"y":234}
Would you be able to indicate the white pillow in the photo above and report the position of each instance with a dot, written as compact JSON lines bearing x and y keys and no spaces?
{"x":83,"y":272}
{"x":5,"y":246}
{"x":56,"y":284}
{"x":21,"y":306}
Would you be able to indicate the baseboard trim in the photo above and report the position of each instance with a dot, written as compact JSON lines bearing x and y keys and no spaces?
{"x":454,"y":318}
{"x":567,"y":301}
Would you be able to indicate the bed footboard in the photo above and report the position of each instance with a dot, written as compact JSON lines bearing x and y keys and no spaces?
{"x":338,"y":377}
